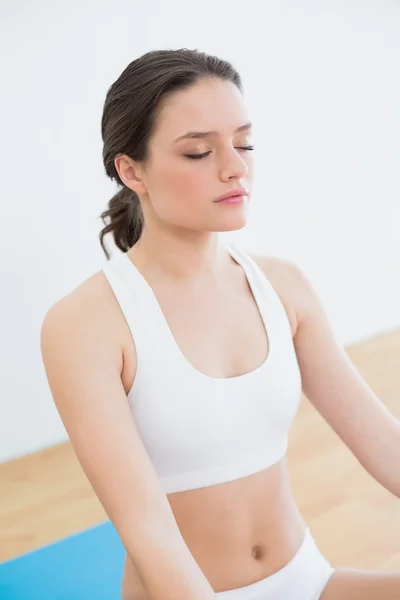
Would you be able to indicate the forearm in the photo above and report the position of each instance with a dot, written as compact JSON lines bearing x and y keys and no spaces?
{"x":390,"y":478}
{"x":167,"y":568}
{"x":384,"y":465}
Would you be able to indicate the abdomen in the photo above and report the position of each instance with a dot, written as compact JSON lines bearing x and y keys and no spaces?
{"x":238,"y":532}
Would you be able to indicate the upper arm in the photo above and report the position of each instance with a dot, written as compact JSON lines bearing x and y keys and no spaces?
{"x":334,"y":385}
{"x":83,"y":369}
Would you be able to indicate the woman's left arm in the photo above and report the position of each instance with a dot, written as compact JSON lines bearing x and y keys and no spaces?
{"x":335,"y":387}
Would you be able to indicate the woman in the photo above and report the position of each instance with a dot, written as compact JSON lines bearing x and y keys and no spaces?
{"x":178,"y":368}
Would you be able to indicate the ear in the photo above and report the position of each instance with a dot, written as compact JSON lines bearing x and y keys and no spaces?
{"x":130,"y":173}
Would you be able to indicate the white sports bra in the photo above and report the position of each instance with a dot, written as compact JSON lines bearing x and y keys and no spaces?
{"x":200,"y":430}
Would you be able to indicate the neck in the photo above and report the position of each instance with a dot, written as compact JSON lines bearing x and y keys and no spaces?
{"x":193,"y":258}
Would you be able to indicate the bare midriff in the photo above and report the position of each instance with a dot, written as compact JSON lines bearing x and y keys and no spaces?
{"x":238,"y":532}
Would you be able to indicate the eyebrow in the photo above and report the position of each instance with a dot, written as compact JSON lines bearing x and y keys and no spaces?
{"x":202,"y":134}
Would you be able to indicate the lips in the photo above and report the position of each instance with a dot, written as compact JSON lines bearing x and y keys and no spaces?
{"x":232,"y":194}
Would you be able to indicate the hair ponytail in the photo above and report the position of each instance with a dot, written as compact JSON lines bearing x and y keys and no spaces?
{"x":124,"y":218}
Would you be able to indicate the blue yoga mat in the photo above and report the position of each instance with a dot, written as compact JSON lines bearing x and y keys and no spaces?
{"x":85,"y":566}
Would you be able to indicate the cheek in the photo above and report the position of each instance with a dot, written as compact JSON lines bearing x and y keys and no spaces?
{"x":186,"y":180}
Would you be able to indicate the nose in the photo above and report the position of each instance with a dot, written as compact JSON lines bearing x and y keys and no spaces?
{"x":232,"y":165}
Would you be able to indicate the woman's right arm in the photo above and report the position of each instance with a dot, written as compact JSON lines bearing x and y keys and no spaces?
{"x":83,"y":368}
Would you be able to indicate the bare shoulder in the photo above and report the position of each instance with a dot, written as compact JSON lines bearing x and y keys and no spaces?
{"x":286,"y":277}
{"x":89,"y":298}
{"x":91,"y":306}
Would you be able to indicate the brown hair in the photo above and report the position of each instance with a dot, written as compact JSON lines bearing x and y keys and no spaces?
{"x":130,"y":110}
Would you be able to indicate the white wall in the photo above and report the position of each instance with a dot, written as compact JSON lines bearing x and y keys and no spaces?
{"x":323,"y":89}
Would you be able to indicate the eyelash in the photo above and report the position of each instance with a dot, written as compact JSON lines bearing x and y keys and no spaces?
{"x":199,"y":156}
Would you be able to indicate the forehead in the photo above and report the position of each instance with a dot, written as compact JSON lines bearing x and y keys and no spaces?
{"x":209,"y":105}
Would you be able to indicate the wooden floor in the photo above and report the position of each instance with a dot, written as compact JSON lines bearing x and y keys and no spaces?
{"x":356,"y":522}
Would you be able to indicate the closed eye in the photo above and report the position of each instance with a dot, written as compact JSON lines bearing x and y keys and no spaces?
{"x":197,"y":156}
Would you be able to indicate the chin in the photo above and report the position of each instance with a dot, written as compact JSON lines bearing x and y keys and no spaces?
{"x":231,"y":225}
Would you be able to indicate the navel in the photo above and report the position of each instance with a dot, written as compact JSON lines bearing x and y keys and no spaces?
{"x":257,"y":552}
